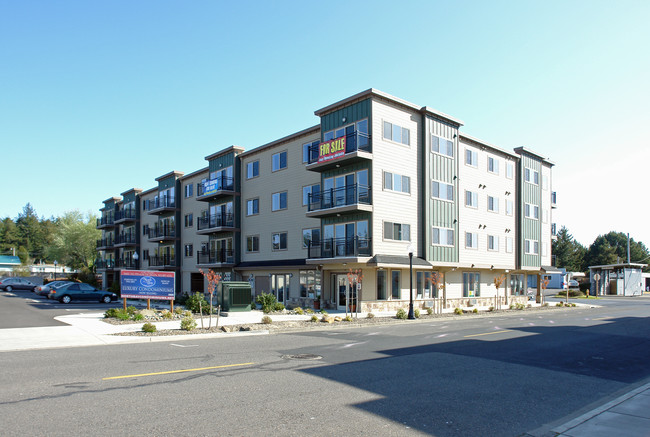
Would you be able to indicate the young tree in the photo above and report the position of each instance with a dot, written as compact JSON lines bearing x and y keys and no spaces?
{"x":437,"y":280}
{"x":498,"y":282}
{"x":213,"y":282}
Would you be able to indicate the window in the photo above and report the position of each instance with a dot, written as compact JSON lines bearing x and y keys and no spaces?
{"x":310,"y":236}
{"x":531,"y":247}
{"x":493,"y":204}
{"x":189,"y":250}
{"x":397,"y":133}
{"x":471,"y":240}
{"x":440,"y":190}
{"x":189,"y":190}
{"x":531,"y":211}
{"x":279,"y":241}
{"x":253,"y":243}
{"x":279,"y":201}
{"x":471,"y":157}
{"x":252,"y":169}
{"x":397,"y":231}
{"x":310,"y":149}
{"x":531,"y":176}
{"x":493,"y":242}
{"x":471,"y":284}
{"x":395,"y":182}
{"x":395,"y":284}
{"x":425,"y":288}
{"x":279,"y":161}
{"x":189,"y":220}
{"x":509,"y":207}
{"x":509,"y":244}
{"x":310,"y":284}
{"x":252,"y":206}
{"x":311,"y":194}
{"x":471,"y":199}
{"x":442,"y":146}
{"x":510,"y":170}
{"x":442,"y":236}
{"x":517,"y":285}
{"x":145,"y":230}
{"x":381,"y":285}
{"x":493,"y":165}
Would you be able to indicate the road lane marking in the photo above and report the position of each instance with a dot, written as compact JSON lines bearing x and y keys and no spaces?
{"x":488,"y":333}
{"x":177,"y":371}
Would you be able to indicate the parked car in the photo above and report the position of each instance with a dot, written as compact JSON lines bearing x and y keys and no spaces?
{"x":573,"y":283}
{"x":80,"y":291}
{"x":9,"y":284}
{"x":44,"y":290}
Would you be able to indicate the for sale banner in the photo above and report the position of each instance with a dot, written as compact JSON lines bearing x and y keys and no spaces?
{"x":331,"y":149}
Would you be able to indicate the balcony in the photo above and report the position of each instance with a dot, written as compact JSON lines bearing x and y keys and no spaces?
{"x":105,"y":222}
{"x":162,"y":205}
{"x":351,"y":198}
{"x":352,"y":148}
{"x":340,"y":248}
{"x":213,"y":188}
{"x":105,"y":264}
{"x":554,"y":231}
{"x":125,"y":215}
{"x":125,"y":263}
{"x":162,"y":261}
{"x":216,"y":258}
{"x":554,"y":199}
{"x":215,"y":223}
{"x":125,"y":239}
{"x":105,"y":243}
{"x":162,"y":233}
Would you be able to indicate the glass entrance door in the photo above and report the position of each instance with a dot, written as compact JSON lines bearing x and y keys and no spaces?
{"x":346,"y":295}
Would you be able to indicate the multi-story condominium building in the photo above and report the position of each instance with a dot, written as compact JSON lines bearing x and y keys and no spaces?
{"x":377,"y":178}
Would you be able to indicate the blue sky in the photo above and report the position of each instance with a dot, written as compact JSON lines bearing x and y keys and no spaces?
{"x":100,"y":97}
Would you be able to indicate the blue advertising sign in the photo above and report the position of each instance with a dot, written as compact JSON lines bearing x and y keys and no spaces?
{"x":211,"y":186}
{"x":142,"y":284}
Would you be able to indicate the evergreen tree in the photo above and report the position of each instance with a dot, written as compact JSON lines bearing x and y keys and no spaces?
{"x":568,"y":253}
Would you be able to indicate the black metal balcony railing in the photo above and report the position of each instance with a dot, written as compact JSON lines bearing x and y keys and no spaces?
{"x":126,"y":238}
{"x":103,"y":264}
{"x":339,"y":247}
{"x":353,"y":142}
{"x":125,"y":214}
{"x":162,"y":261}
{"x":220,"y":183}
{"x":162,"y":202}
{"x":215,"y":221}
{"x":162,"y":232}
{"x":105,"y":221}
{"x":125,"y":263}
{"x":342,"y":196}
{"x":220,"y":256}
{"x":105,"y":242}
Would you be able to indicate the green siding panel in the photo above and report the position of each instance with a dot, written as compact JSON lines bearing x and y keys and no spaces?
{"x":221,"y":162}
{"x":352,"y":113}
{"x":530,"y":193}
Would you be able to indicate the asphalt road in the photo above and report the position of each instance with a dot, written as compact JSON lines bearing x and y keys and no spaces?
{"x":480,"y":376}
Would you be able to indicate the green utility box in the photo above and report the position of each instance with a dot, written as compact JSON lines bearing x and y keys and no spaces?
{"x":235,"y":296}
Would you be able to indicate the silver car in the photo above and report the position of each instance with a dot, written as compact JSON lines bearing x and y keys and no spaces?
{"x":44,"y":290}
{"x":9,"y":284}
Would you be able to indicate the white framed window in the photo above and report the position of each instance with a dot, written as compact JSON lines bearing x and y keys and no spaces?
{"x":442,"y":191}
{"x":311,"y":193}
{"x":397,"y":133}
{"x":471,"y":284}
{"x":279,"y":161}
{"x":471,"y":199}
{"x":493,"y":243}
{"x":493,"y":165}
{"x":397,"y":231}
{"x":442,"y":146}
{"x":189,"y":250}
{"x":279,"y":201}
{"x":396,"y":182}
{"x":509,"y":207}
{"x":252,"y":206}
{"x":310,"y":236}
{"x":531,"y":176}
{"x":471,"y":240}
{"x":279,"y":241}
{"x":189,"y":190}
{"x":471,"y":157}
{"x":510,"y":170}
{"x":531,"y":247}
{"x":442,"y":236}
{"x":531,"y":211}
{"x":509,"y":244}
{"x":493,"y":204}
{"x":252,"y":169}
{"x":252,"y":243}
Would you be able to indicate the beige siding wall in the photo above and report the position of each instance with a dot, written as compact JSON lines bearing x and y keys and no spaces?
{"x":397,"y":158}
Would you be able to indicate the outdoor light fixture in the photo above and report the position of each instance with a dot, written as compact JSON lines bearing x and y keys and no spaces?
{"x":410,"y":250}
{"x":344,"y":119}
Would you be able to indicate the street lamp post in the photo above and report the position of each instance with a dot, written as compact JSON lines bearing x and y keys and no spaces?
{"x":55,"y":263}
{"x":135,"y":260}
{"x":411,"y":249}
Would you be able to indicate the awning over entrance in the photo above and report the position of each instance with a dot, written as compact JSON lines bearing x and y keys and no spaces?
{"x":397,"y":261}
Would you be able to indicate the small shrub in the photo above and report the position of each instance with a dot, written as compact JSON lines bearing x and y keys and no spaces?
{"x":545,"y":304}
{"x":122,"y":315}
{"x":267,"y":300}
{"x":458,"y":311}
{"x":131,"y":310}
{"x":138,"y":317}
{"x":370,"y":316}
{"x":314,"y":318}
{"x":573,"y":305}
{"x":401,"y":314}
{"x":148,"y":327}
{"x":521,"y":306}
{"x":299,"y":310}
{"x":475,"y":310}
{"x":111,"y":313}
{"x":196,"y":303}
{"x":309,"y":311}
{"x":278,"y":306}
{"x":559,"y":304}
{"x":323,"y":312}
{"x":188,"y":324}
{"x":491,"y":309}
{"x":512,"y":306}
{"x":429,"y":311}
{"x":187,"y":313}
{"x":267,"y":320}
{"x":348,"y":318}
{"x":167,"y":315}
{"x":416,"y":313}
{"x":178,"y":310}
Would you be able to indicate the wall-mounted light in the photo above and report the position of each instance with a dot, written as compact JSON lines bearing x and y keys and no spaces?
{"x":455,"y":221}
{"x":492,"y":267}
{"x":344,"y":119}
{"x":472,"y":265}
